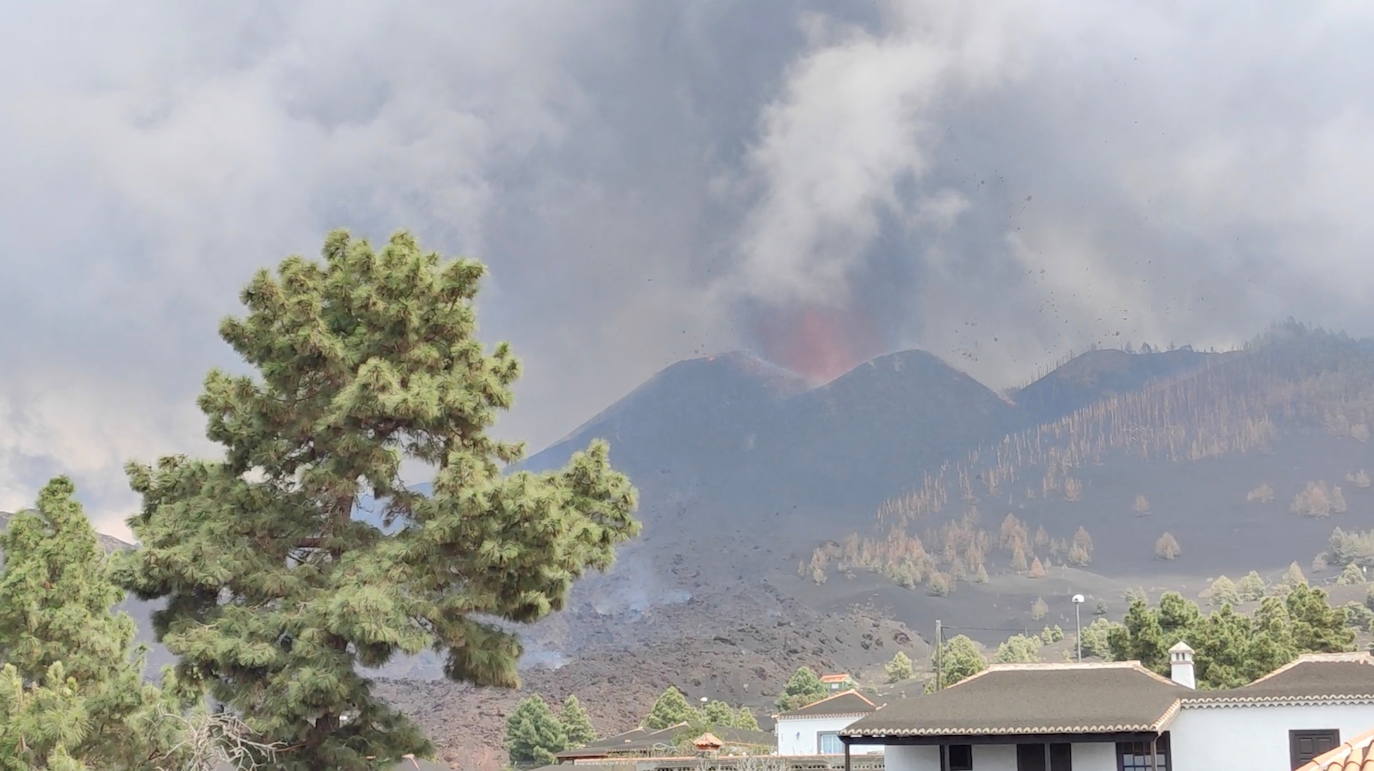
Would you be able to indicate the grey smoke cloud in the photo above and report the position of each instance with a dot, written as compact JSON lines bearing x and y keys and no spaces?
{"x":649,"y":181}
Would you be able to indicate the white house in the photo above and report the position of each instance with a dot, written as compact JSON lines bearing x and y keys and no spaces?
{"x":1119,"y":716}
{"x":814,"y":729}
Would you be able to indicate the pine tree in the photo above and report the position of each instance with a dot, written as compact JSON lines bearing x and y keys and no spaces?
{"x":1351,"y":575}
{"x":533,"y":734}
{"x":41,"y":724}
{"x":1037,"y":569}
{"x":1293,"y":577}
{"x":718,"y":713}
{"x":1316,"y":625}
{"x":1224,"y":592}
{"x":802,"y":688}
{"x":56,"y":603}
{"x":670,"y":709}
{"x":1140,"y":637}
{"x":364,"y":361}
{"x":899,"y":668}
{"x":1166,"y":548}
{"x":959,"y":659}
{"x":745,"y":719}
{"x":1018,"y":649}
{"x":1039,"y":608}
{"x":577,"y":726}
{"x":1251,"y":587}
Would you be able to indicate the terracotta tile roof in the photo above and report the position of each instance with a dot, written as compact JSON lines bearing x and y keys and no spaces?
{"x":839,"y":678}
{"x":1322,"y":677}
{"x":849,"y":702}
{"x":1004,"y":699}
{"x":1355,"y":755}
{"x":707,"y":741}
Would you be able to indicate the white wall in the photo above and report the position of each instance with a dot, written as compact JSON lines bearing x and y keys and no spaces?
{"x":997,"y":757}
{"x":1253,"y":737}
{"x":797,"y":736}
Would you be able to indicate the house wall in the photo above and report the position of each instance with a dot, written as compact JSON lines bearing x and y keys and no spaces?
{"x":998,"y":757}
{"x":797,"y":736}
{"x":1254,"y":737}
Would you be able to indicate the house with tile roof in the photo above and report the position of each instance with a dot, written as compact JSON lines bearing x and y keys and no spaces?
{"x":1120,"y":716}
{"x":814,"y":729}
{"x":839,"y":681}
{"x":636,"y":743}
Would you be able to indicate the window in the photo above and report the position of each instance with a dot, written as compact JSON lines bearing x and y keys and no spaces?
{"x":828,"y":743}
{"x":1135,"y":756}
{"x":1044,"y":757}
{"x":960,"y":757}
{"x":1305,"y":745}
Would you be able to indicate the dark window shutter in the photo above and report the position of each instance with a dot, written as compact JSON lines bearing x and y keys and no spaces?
{"x":1305,"y":745}
{"x":1030,"y":757}
{"x":1061,"y":757}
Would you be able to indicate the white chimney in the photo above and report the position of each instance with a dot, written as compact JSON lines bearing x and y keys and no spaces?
{"x":1181,"y":665}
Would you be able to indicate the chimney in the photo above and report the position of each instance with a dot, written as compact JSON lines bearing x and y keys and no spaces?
{"x":1181,"y":665}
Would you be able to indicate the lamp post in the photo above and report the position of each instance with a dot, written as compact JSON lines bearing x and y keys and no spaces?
{"x":1078,"y":624}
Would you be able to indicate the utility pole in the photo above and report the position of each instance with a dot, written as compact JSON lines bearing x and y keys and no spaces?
{"x":939,"y":651}
{"x":1078,"y":624}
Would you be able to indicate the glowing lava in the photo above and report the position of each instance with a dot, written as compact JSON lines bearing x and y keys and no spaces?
{"x":817,"y":342}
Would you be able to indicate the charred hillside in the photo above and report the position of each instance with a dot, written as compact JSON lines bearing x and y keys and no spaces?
{"x":1223,"y":457}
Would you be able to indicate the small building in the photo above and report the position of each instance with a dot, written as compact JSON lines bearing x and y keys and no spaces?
{"x":814,"y":729}
{"x":840,"y":681}
{"x":1120,"y":716}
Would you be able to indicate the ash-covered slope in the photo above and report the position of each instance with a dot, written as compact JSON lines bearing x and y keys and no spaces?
{"x":1091,"y":376}
{"x":732,"y":441}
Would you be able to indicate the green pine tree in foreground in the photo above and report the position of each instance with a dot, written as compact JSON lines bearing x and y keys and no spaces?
{"x":362,"y":364}
{"x":89,"y":704}
{"x":533,"y":734}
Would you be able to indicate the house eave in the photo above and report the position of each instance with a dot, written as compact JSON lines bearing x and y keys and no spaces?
{"x":1008,"y":737}
{"x":1276,"y":701}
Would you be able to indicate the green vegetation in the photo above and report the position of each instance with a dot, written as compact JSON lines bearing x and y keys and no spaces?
{"x":1252,"y":587}
{"x":803,"y":687}
{"x":717,"y":712}
{"x":1097,"y":638}
{"x":89,"y":704}
{"x":1351,"y":575}
{"x":670,"y":708}
{"x":1350,"y":548}
{"x":899,"y":668}
{"x":1018,"y":649}
{"x":1231,"y":649}
{"x":533,"y":734}
{"x":958,"y":658}
{"x":577,"y":726}
{"x":359,"y":364}
{"x":1223,"y":592}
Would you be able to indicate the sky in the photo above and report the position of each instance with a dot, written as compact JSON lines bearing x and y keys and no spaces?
{"x":998,"y":183}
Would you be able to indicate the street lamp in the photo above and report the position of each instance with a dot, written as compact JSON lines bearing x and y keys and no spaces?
{"x":1078,"y":624}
